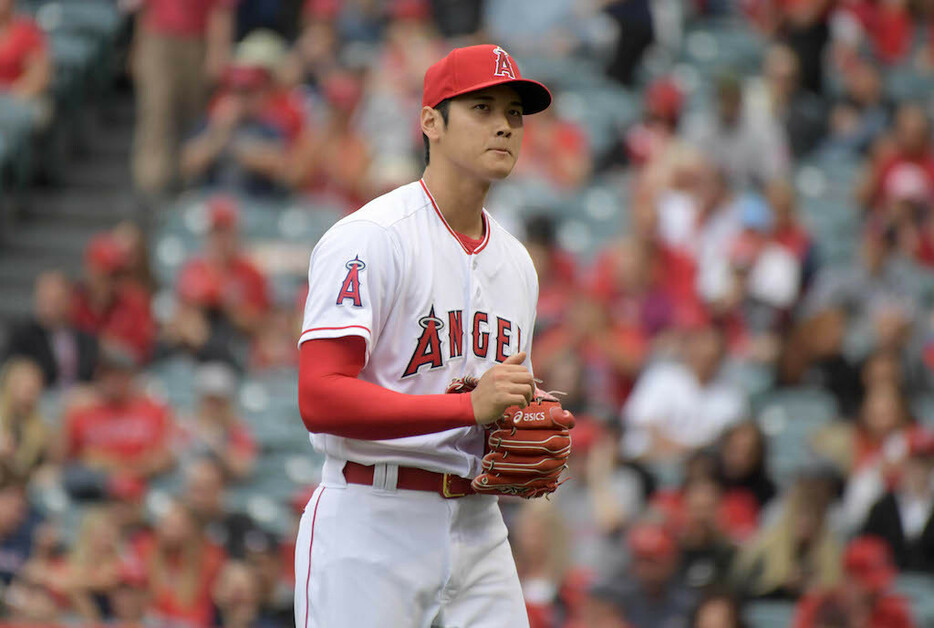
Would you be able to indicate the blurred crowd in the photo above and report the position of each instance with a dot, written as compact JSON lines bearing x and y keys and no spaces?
{"x":672,"y":514}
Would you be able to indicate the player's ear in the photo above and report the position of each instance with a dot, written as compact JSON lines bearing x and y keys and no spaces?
{"x":431,"y":123}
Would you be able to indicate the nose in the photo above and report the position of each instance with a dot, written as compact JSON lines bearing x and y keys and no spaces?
{"x":505,"y":128}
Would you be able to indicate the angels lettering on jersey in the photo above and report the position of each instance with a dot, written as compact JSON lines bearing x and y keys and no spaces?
{"x":489,"y":335}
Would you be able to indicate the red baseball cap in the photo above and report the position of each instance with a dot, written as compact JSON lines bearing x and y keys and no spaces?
{"x":652,"y":541}
{"x":105,"y":254}
{"x":473,"y":68}
{"x":868,"y":562}
{"x":223,"y":213}
{"x":921,"y":443}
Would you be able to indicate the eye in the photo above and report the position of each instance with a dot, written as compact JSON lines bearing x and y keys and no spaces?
{"x":482,"y":106}
{"x":515,"y":112}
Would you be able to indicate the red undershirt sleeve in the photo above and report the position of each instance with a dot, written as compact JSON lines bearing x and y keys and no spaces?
{"x":333,"y":401}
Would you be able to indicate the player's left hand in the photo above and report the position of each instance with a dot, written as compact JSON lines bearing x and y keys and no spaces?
{"x":527,"y":447}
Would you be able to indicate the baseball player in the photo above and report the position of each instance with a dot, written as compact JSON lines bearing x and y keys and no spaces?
{"x":419,"y":288}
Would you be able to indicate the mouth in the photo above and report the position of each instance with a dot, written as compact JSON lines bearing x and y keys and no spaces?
{"x":500,"y":151}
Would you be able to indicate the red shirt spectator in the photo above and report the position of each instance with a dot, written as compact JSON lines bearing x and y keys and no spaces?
{"x":238,"y":283}
{"x":863,"y":599}
{"x":556,"y":150}
{"x":183,"y":567}
{"x":118,"y":432}
{"x":106,"y":307}
{"x":223,"y":278}
{"x":19,"y":41}
{"x":180,"y":18}
{"x":903,"y":165}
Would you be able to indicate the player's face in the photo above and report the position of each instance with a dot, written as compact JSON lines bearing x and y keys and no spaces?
{"x":484,"y":132}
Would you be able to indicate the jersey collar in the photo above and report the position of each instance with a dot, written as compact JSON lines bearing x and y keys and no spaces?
{"x":486,"y":224}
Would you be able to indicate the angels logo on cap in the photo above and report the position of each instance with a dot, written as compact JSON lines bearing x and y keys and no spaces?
{"x":503,"y":64}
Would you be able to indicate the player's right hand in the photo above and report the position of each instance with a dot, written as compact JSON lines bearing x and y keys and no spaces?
{"x":504,"y":385}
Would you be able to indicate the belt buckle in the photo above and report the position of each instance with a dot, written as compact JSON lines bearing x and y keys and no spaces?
{"x":446,"y":481}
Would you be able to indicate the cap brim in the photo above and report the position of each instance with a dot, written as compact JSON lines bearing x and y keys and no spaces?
{"x":535,"y":96}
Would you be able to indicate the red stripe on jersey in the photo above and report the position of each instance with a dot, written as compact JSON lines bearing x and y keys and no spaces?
{"x":333,"y":328}
{"x":311,"y":543}
{"x":486,"y":224}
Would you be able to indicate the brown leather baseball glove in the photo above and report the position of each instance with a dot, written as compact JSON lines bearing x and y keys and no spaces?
{"x":527,"y":449}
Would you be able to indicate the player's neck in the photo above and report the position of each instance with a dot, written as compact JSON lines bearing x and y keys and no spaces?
{"x":459,"y":198}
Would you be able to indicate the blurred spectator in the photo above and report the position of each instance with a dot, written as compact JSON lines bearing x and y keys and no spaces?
{"x":203,"y":496}
{"x":718,"y":609}
{"x":862,"y":112}
{"x":755,"y":285}
{"x":879,"y":291}
{"x":129,"y":598}
{"x":30,"y":603}
{"x":281,"y":16}
{"x":457,"y":18}
{"x":533,"y":28}
{"x":884,"y":414}
{"x":797,"y":551}
{"x":556,"y":269}
{"x":779,"y":99}
{"x":215,"y":429}
{"x":92,"y":572}
{"x":251,"y":128}
{"x":742,"y":463}
{"x":315,"y":53}
{"x":182,"y":569}
{"x":222,"y":285}
{"x":18,"y":522}
{"x":886,"y":26}
{"x":181,"y":47}
{"x":902,"y":163}
{"x":649,"y":593}
{"x":555,"y":151}
{"x":25,"y":63}
{"x":541,"y":552}
{"x":804,"y":26}
{"x":863,"y":597}
{"x":236,"y":596}
{"x":126,"y":509}
{"x":137,"y":269}
{"x":275,"y":591}
{"x":119,"y":429}
{"x":648,"y":139}
{"x":274,"y":343}
{"x":787,"y":228}
{"x":25,"y":438}
{"x":65,"y":354}
{"x":108,"y":308}
{"x":752,"y":150}
{"x":814,"y":354}
{"x":904,"y":516}
{"x":677,"y":406}
{"x":706,"y":551}
{"x":335,"y":163}
{"x":636,"y":32}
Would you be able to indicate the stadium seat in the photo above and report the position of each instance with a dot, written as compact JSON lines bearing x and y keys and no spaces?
{"x":770,"y":614}
{"x":917,"y":589}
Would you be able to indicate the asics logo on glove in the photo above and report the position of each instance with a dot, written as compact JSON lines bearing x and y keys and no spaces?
{"x":521,"y":416}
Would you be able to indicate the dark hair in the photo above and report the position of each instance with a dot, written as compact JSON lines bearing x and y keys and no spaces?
{"x":540,"y":229}
{"x":443,"y":108}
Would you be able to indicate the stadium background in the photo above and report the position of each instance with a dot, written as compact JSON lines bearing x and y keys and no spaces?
{"x":750,"y":176}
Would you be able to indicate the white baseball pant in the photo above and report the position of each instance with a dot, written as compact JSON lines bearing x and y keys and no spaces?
{"x":369,"y":556}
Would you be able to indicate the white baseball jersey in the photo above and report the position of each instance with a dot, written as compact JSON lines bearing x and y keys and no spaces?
{"x":395,"y":273}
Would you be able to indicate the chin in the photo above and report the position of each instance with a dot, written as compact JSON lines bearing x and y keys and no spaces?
{"x":497,"y":171}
